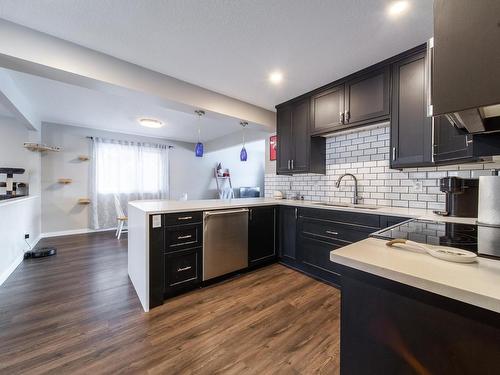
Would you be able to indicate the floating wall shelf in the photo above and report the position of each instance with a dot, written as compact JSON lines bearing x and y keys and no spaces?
{"x":84,"y":201}
{"x":83,"y":157}
{"x":40,"y":148}
{"x":65,"y":181}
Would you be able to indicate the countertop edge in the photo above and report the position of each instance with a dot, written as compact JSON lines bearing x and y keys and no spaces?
{"x":466,"y":296}
{"x":416,"y":213}
{"x":17,"y":200}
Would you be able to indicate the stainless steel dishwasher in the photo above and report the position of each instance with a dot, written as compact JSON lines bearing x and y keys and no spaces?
{"x":225,"y":242}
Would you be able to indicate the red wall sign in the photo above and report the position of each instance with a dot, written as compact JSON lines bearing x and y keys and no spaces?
{"x":273,"y":143}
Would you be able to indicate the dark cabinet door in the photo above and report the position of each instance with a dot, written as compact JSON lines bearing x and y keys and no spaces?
{"x":327,"y":110}
{"x":450,"y":143}
{"x":287,"y":231}
{"x":182,"y":270}
{"x":367,"y":97}
{"x":261,"y":234}
{"x":301,"y":137}
{"x":411,"y":129}
{"x":285,"y":140}
{"x":314,"y":255}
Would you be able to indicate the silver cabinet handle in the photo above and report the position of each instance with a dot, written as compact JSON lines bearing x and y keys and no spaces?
{"x":184,"y":268}
{"x":341,"y":117}
{"x":394,"y":153}
{"x":288,"y":164}
{"x":468,"y":140}
{"x":292,"y":163}
{"x":184,"y":237}
{"x":250,"y":213}
{"x":347,"y":116}
{"x":332,"y":232}
{"x":185,"y":218}
{"x":296,"y":213}
{"x":428,"y":76}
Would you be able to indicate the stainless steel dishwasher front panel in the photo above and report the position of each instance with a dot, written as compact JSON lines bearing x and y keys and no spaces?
{"x":225,"y":242}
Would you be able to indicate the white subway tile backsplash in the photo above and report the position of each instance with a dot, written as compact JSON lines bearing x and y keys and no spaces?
{"x":365,"y":154}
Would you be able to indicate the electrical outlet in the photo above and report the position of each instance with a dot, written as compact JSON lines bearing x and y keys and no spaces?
{"x":418,"y":186}
{"x":26,"y":236}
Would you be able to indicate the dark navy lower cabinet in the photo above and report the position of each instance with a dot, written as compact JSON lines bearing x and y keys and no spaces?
{"x":308,"y":235}
{"x":262,"y":241}
{"x":392,"y":328}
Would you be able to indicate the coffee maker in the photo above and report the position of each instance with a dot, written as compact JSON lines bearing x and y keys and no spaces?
{"x":461,"y":196}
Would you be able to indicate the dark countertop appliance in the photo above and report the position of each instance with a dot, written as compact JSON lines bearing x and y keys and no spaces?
{"x":461,"y":196}
{"x":9,"y":184}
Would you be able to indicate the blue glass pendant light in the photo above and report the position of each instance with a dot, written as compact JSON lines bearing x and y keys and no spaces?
{"x":243,"y":152}
{"x":198,"y":149}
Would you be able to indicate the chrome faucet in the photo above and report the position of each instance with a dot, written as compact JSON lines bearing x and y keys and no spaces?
{"x":355,"y":199}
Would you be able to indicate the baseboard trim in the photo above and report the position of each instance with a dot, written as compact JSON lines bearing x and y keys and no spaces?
{"x":5,"y":275}
{"x":74,"y":231}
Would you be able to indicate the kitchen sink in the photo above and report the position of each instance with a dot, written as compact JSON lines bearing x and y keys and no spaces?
{"x":348,"y":205}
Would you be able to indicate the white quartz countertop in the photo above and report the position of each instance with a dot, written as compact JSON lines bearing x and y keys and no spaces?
{"x":475,"y":283}
{"x":170,"y":206}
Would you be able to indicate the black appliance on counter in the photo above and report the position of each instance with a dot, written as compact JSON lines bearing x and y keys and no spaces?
{"x":475,"y":238}
{"x":9,"y":184}
{"x":461,"y":196}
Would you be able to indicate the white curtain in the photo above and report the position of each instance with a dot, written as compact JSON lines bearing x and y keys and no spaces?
{"x":130,"y":170}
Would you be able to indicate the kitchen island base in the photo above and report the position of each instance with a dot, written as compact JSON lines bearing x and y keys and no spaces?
{"x":392,"y":328}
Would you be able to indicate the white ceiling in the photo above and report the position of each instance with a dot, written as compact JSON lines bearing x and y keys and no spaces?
{"x":66,"y":104}
{"x":231,"y":46}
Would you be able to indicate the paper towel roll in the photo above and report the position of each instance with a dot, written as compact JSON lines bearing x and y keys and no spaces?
{"x":489,"y":200}
{"x":488,"y":241}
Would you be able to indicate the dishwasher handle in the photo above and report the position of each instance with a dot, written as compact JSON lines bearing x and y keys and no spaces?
{"x":207,"y":214}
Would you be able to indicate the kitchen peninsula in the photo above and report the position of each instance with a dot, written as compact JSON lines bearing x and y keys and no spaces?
{"x":165,"y":248}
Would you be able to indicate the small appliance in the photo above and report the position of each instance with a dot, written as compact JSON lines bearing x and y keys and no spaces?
{"x":40,"y":253}
{"x":461,"y":196}
{"x":10,"y":185}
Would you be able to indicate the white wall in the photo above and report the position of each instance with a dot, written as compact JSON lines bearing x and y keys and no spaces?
{"x":188,"y":174}
{"x":227,"y":150}
{"x":18,"y":218}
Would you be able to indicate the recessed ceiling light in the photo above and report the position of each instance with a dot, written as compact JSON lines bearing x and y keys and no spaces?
{"x":397,"y":8}
{"x":151,"y":123}
{"x":276,"y":77}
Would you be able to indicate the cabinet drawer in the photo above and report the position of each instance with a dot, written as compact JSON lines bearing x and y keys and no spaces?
{"x":334,"y":231}
{"x":182,"y":268}
{"x":184,"y":218}
{"x":369,"y":220}
{"x":182,"y":237}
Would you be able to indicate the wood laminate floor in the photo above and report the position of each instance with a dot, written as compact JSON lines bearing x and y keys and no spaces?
{"x":77,"y":313}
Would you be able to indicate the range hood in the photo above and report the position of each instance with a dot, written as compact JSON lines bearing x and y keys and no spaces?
{"x":477,"y":120}
{"x":465,"y":64}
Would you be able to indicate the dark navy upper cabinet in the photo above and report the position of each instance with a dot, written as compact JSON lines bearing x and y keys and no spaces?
{"x":367,"y":97}
{"x":297,"y":151}
{"x":411,"y":128}
{"x":327,"y":110}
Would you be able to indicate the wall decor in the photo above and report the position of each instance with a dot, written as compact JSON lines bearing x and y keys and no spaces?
{"x":273,"y":143}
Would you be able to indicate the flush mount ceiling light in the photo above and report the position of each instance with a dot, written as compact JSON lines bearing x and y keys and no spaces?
{"x":151,"y":123}
{"x":396,"y":8}
{"x":276,"y":77}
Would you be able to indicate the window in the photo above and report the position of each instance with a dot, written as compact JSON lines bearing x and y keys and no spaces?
{"x":127,"y":169}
